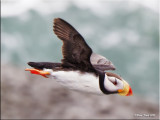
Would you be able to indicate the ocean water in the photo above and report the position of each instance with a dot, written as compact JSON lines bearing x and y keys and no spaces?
{"x":124,"y":32}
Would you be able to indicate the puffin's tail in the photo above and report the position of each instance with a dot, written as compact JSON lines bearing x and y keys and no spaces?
{"x":41,"y":65}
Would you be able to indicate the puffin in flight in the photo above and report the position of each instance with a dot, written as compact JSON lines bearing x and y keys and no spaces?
{"x":80,"y":69}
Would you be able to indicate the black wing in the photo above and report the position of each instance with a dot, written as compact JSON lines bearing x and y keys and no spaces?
{"x":76,"y":52}
{"x":54,"y":66}
{"x":42,"y":65}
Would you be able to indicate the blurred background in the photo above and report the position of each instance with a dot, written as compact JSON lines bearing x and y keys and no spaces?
{"x":124,"y":31}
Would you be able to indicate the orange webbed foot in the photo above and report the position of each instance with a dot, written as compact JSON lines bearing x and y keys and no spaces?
{"x":38,"y":72}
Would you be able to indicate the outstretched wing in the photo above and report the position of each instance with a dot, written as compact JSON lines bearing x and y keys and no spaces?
{"x":75,"y":50}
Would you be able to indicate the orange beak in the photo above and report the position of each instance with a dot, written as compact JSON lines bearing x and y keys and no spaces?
{"x":38,"y":72}
{"x":126,"y":91}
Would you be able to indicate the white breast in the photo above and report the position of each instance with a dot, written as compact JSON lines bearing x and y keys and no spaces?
{"x":75,"y":80}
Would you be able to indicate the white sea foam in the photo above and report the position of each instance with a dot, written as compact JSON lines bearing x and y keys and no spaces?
{"x":18,"y":7}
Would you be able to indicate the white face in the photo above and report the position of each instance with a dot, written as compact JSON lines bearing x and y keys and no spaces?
{"x":110,"y":85}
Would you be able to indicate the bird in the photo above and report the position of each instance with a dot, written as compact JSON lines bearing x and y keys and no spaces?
{"x":80,"y":69}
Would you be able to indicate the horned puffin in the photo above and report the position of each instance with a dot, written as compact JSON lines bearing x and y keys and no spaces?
{"x":80,"y":69}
